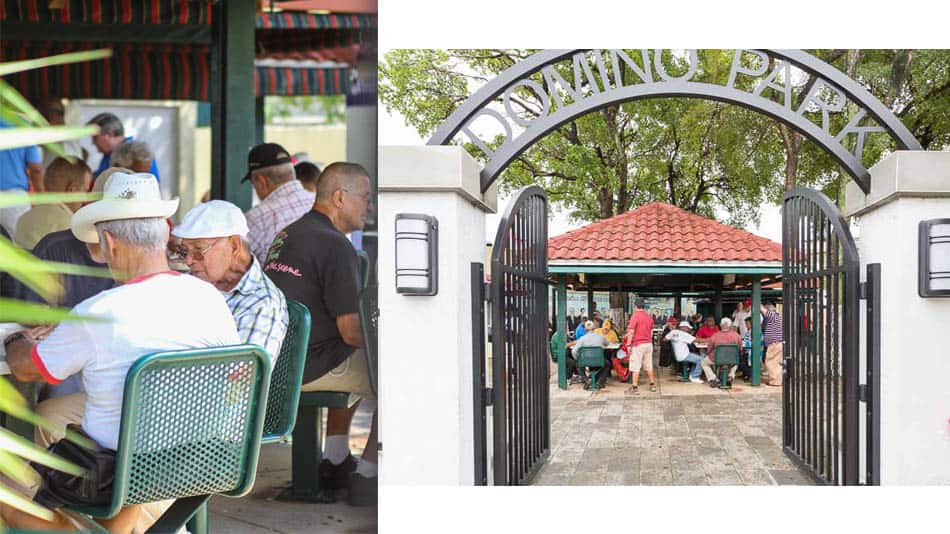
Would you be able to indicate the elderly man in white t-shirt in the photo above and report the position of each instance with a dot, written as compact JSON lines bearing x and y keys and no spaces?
{"x":681,"y":339}
{"x":154,"y":309}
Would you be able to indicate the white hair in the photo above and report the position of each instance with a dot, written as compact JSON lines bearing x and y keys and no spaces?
{"x":725,"y":322}
{"x":588,"y":325}
{"x":148,"y":234}
{"x":277,"y":174}
{"x":126,"y":154}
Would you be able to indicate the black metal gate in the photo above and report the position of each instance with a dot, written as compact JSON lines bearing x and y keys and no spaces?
{"x":519,"y":392}
{"x":821,"y":289}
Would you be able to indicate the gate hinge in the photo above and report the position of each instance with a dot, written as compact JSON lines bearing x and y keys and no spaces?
{"x":487,"y":395}
{"x":863,"y":392}
{"x":863,"y":290}
{"x":486,"y":291}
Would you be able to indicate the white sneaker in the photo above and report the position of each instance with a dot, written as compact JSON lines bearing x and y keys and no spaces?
{"x":695,"y":380}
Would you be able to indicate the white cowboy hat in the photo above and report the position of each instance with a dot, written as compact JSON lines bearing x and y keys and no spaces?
{"x":124,"y":196}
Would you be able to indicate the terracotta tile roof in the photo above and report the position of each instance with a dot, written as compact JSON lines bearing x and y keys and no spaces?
{"x":662,"y":232}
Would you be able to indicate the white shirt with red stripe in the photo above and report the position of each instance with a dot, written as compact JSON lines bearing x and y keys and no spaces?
{"x":154,"y":313}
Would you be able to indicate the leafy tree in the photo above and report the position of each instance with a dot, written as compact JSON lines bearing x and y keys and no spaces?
{"x":696,"y":154}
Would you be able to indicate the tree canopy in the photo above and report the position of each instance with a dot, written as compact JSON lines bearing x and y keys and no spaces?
{"x":697,"y":154}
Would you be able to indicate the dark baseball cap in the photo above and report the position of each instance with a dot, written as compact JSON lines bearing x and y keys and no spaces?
{"x":265,"y":155}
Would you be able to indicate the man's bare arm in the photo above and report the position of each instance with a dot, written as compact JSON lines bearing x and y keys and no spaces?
{"x":35,"y":170}
{"x":20,"y":362}
{"x":349,"y":327}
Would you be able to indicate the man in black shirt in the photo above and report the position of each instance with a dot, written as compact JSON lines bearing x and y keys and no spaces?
{"x":314,"y":263}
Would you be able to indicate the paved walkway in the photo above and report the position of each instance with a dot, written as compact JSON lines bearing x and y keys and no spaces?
{"x":258,"y":512}
{"x":684,"y":434}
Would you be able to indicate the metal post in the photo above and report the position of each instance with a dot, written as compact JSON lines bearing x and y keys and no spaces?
{"x":756,"y":330}
{"x":874,"y":374}
{"x":590,"y":298}
{"x":478,"y":374}
{"x":561,"y":331}
{"x":717,"y":302}
{"x":232,"y":100}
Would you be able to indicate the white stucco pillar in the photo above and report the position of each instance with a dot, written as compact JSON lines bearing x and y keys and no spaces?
{"x":426,"y":413}
{"x":907,"y":187}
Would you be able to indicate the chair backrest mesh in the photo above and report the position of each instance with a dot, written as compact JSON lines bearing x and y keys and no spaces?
{"x":590,"y":356}
{"x":726,"y":354}
{"x":287,"y":374}
{"x":189,"y":423}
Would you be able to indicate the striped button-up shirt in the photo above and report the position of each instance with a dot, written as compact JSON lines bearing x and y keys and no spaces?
{"x":284,"y":205}
{"x":259,"y":310}
{"x":773,"y":328}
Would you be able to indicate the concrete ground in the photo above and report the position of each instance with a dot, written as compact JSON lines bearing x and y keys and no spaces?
{"x":684,"y":434}
{"x":258,"y":512}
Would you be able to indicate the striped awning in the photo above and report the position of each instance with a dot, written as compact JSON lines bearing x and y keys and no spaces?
{"x":162,"y":72}
{"x":180,"y":12}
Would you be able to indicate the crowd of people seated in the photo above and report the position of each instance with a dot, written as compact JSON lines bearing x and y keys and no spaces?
{"x":219,"y":277}
{"x":684,"y":342}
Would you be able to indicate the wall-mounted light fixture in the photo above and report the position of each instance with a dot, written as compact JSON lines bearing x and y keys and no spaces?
{"x":417,"y":254}
{"x":933,"y":271}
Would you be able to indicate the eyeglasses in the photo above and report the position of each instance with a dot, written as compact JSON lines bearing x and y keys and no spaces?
{"x":183,"y":251}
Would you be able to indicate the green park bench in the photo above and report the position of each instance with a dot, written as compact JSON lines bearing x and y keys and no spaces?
{"x":307,"y":443}
{"x":190,"y":428}
{"x":725,"y":356}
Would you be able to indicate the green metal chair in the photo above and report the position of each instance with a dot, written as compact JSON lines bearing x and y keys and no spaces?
{"x":285,"y":381}
{"x":307,"y":443}
{"x":191,"y":428}
{"x":725,"y":356}
{"x":684,"y":377}
{"x":593,"y":358}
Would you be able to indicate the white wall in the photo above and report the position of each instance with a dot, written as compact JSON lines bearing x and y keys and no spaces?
{"x":426,"y":417}
{"x":915,"y":416}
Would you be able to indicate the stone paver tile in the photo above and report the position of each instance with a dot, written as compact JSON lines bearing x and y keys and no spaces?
{"x":553,"y":480}
{"x":755,"y":477}
{"x":724,"y":477}
{"x":790,"y":477}
{"x":656,"y":477}
{"x":609,"y":419}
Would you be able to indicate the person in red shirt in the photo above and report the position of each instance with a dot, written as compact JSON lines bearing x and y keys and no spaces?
{"x":708,"y":330}
{"x":639,"y":339}
{"x":726,"y":335}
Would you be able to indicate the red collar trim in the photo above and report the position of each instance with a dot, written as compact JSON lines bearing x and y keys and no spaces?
{"x":145,"y":277}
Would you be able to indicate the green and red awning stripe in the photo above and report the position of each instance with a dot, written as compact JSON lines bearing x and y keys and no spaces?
{"x":310,"y":21}
{"x":158,"y":72}
{"x":166,"y":12}
{"x":108,"y":11}
{"x":151,"y":72}
{"x":291,"y":81}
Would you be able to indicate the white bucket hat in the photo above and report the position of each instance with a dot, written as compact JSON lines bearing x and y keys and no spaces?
{"x":686,"y":324}
{"x":215,"y":218}
{"x":124,"y":196}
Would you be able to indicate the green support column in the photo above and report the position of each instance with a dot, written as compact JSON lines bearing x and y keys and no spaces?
{"x":232,"y":100}
{"x":756,"y":330}
{"x":561,"y":334}
{"x":260,"y":119}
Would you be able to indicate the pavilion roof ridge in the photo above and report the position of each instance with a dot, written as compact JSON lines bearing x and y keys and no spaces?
{"x":644,"y":233}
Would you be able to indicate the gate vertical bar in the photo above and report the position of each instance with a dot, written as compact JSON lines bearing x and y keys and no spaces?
{"x":500,"y":384}
{"x":874,"y":374}
{"x":560,"y":347}
{"x":478,"y":373}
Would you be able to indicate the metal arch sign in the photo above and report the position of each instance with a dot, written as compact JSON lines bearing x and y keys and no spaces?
{"x":597,"y":83}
